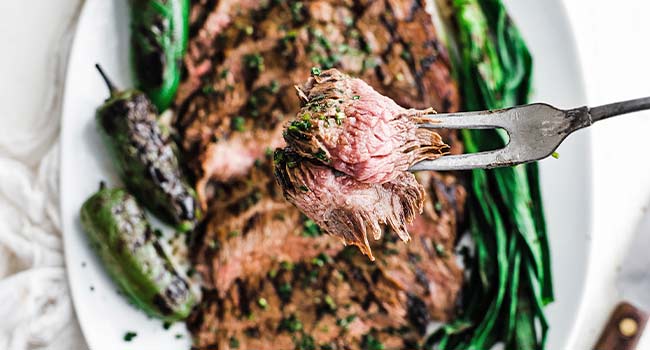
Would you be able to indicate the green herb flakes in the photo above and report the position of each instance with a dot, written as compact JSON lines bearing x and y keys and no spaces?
{"x":233,"y":343}
{"x":339,"y":116}
{"x":322,"y":156}
{"x":285,"y":290}
{"x":287,"y":265}
{"x":255,"y":62}
{"x":369,"y":342}
{"x":291,"y":324}
{"x":310,"y":229}
{"x":296,"y":11}
{"x":356,"y":97}
{"x":263,"y":303}
{"x":239,"y":123}
{"x":130,"y":335}
{"x":330,"y":302}
{"x":315,"y":71}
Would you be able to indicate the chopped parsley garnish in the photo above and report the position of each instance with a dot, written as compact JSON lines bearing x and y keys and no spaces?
{"x":345,"y":322}
{"x":285,"y":290}
{"x":208,"y":89}
{"x":310,"y":229}
{"x":291,"y":324}
{"x":356,"y":97}
{"x":330,"y":302}
{"x":555,"y":155}
{"x":263,"y":303}
{"x":438,"y":206}
{"x":321,"y":155}
{"x":371,"y":343}
{"x":274,"y":87}
{"x":296,"y":11}
{"x":306,"y":343}
{"x":287,"y":265}
{"x":254,"y":61}
{"x":224,"y":73}
{"x":315,"y":71}
{"x":304,"y":188}
{"x":291,"y":35}
{"x":130,"y":335}
{"x":239,"y":123}
{"x":232,"y":234}
{"x":166,"y":325}
{"x":339,"y":116}
{"x":440,"y":250}
{"x":234,"y":343}
{"x":318,"y":262}
{"x":213,"y":244}
{"x":405,"y":55}
{"x":178,"y":336}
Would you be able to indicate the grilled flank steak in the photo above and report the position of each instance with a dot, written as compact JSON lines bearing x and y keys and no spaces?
{"x":243,"y":60}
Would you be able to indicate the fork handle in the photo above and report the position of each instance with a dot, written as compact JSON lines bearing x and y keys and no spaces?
{"x":618,"y":108}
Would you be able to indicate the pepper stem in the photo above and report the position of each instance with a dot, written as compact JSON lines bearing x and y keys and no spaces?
{"x":111,"y":87}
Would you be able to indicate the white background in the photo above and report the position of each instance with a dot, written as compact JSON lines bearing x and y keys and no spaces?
{"x":613,"y":42}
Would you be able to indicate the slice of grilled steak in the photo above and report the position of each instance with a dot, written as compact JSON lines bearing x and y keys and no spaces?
{"x":347,"y":125}
{"x":251,"y":227}
{"x":345,"y":207}
{"x":342,"y":301}
{"x":349,"y":149}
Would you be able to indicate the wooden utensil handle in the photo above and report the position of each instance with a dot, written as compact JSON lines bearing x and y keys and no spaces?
{"x":624,"y":328}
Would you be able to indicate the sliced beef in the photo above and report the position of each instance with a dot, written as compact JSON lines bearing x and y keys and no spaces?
{"x":345,"y":207}
{"x":342,"y":301}
{"x":349,"y":126}
{"x":251,"y":227}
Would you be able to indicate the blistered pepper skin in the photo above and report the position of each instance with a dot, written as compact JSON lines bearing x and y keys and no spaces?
{"x":159,"y":31}
{"x":145,"y":158}
{"x":119,"y":232}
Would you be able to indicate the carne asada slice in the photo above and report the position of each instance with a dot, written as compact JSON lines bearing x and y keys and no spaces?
{"x":349,"y":126}
{"x":344,"y":207}
{"x":341,"y":301}
{"x":251,"y":227}
{"x":349,"y":149}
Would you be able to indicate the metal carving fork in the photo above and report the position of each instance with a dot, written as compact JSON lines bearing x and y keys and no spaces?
{"x":535,"y":131}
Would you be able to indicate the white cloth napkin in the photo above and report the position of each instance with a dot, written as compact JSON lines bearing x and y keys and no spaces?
{"x":35,"y":307}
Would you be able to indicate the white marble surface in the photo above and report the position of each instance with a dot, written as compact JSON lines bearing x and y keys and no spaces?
{"x":612,"y":40}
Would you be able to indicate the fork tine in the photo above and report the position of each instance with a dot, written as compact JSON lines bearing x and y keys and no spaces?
{"x":483,"y":160}
{"x":465,"y":120}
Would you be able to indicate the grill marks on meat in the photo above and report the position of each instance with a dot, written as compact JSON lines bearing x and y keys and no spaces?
{"x":250,"y":228}
{"x":243,"y":60}
{"x":349,"y":126}
{"x":246,"y":57}
{"x":344,"y":207}
{"x":339,"y":301}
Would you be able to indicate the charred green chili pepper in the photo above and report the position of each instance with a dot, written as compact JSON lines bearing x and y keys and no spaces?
{"x":145,"y":158}
{"x":159,"y":31}
{"x":122,"y":237}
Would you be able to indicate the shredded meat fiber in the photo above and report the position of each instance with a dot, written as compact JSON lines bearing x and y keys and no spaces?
{"x":349,"y":149}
